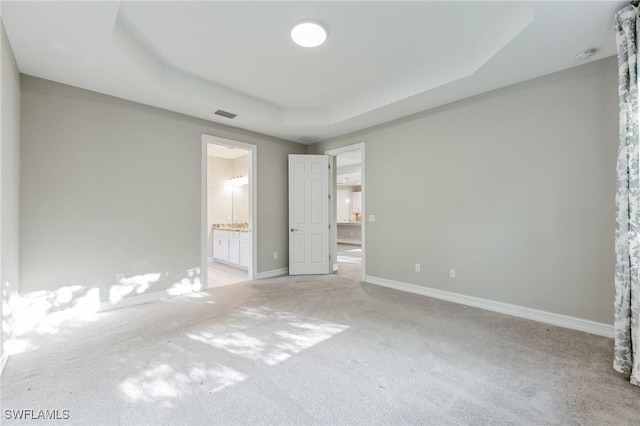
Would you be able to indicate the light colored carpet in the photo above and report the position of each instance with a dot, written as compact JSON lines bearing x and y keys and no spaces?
{"x":316,"y":350}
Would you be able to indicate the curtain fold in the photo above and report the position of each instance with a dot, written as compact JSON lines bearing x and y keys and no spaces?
{"x":627,"y":239}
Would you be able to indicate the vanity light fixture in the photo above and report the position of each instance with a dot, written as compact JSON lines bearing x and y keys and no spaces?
{"x":308,"y":34}
{"x":238,"y":181}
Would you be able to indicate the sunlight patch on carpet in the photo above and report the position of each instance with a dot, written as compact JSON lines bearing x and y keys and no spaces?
{"x":162,"y":383}
{"x":266,"y":335}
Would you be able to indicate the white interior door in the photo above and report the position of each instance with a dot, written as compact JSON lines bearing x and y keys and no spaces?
{"x":308,"y":214}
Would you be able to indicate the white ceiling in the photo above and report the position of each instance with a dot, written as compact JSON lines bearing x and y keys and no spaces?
{"x":382,"y":60}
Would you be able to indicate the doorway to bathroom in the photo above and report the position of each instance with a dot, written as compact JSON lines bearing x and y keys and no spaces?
{"x":229,"y":211}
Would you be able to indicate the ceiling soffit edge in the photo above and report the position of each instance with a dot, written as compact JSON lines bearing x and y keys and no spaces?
{"x":458,"y":65}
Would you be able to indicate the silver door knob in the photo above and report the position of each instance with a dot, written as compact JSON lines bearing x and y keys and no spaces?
{"x":293,"y":230}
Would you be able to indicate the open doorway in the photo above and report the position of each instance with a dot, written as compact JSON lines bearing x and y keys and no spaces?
{"x":228,"y":212}
{"x":349,"y":211}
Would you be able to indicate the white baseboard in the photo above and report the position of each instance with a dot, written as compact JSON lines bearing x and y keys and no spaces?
{"x":566,"y":321}
{"x":210,"y":259}
{"x":272,"y":273}
{"x":134,"y":300}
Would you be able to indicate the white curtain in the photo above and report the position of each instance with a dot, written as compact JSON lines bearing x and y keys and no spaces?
{"x":627,"y":278}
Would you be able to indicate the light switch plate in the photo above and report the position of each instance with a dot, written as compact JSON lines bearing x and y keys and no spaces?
{"x":372,"y":218}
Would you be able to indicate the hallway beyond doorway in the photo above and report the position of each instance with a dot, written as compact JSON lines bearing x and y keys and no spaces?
{"x":348,"y":237}
{"x":350,"y":261}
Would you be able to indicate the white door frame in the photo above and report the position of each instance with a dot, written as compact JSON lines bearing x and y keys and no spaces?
{"x":334,"y":152}
{"x":253,"y":207}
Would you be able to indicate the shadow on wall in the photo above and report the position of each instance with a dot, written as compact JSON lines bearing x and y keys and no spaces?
{"x":43,"y":312}
{"x":139,"y":284}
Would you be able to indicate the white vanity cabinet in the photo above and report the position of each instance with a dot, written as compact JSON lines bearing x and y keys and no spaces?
{"x":232,"y":247}
{"x":221,"y":245}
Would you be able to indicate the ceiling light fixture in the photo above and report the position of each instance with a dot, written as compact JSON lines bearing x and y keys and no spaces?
{"x":308,"y":34}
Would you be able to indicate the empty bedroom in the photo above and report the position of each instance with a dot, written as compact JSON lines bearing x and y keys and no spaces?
{"x":311,"y":212}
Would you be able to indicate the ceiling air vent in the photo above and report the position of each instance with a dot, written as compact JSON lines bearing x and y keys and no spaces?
{"x":225,"y":114}
{"x":309,"y":139}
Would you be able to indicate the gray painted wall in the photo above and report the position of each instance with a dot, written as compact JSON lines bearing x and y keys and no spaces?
{"x":514,"y":189}
{"x":9,"y":182}
{"x":112,"y":186}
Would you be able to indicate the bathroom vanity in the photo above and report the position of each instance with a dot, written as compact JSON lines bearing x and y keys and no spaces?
{"x":232,"y":247}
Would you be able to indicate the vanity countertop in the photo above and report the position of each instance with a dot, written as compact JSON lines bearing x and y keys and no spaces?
{"x":232,"y":229}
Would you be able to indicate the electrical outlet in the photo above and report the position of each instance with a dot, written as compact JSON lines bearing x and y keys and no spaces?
{"x":275,"y":255}
{"x":417,"y":267}
{"x":452,"y":273}
{"x":119,"y":278}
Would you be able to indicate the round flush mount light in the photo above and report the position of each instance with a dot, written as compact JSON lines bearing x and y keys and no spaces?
{"x":308,"y":34}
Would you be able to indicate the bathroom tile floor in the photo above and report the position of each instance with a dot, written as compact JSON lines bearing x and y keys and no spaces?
{"x":221,"y":274}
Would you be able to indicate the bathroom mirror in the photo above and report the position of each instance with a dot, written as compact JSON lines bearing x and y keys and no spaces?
{"x":240,"y":202}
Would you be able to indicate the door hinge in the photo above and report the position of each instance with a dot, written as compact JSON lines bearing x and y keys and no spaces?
{"x":329,"y":165}
{"x":329,"y":196}
{"x":329,"y":226}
